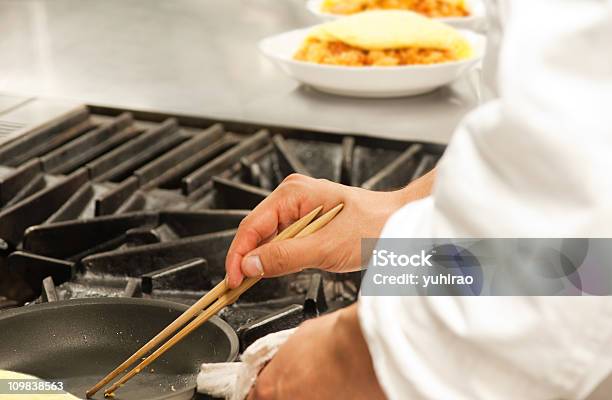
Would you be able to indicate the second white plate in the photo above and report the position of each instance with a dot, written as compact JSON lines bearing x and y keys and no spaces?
{"x":398,"y":81}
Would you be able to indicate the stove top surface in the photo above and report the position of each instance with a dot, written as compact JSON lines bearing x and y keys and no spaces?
{"x":105,"y":202}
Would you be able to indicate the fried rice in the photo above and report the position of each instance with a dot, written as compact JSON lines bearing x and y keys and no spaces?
{"x":338,"y":53}
{"x":430,"y":8}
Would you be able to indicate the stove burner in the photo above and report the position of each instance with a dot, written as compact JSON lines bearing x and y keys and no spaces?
{"x":107,"y":202}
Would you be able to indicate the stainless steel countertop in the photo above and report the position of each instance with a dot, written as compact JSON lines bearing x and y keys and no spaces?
{"x":197,"y":57}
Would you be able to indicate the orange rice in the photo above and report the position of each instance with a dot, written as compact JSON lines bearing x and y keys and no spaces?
{"x":338,"y":53}
{"x":430,"y":8}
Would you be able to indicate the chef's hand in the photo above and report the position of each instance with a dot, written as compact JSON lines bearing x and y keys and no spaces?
{"x":326,"y":358}
{"x":336,"y":247}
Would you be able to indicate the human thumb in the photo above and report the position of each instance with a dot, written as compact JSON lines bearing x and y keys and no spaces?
{"x":280,"y":258}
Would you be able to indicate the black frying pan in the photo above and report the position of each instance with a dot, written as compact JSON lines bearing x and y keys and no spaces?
{"x":80,"y":341}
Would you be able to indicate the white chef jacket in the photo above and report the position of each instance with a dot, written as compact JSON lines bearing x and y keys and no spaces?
{"x":535,"y":163}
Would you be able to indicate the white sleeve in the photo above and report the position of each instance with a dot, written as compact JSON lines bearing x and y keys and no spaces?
{"x":535,"y":163}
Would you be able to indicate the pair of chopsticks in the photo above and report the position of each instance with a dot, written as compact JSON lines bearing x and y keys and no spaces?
{"x":217,"y":298}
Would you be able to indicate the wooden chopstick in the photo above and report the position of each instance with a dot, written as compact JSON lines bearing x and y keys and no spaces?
{"x":194,"y":310}
{"x":301,"y":228}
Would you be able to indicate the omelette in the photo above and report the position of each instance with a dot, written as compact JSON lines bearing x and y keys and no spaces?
{"x":430,"y":8}
{"x":383,"y":38}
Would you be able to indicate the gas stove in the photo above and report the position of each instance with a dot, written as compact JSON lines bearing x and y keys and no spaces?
{"x":110,"y":202}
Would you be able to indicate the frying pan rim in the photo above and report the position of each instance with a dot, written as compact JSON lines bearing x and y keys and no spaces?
{"x":221,"y":324}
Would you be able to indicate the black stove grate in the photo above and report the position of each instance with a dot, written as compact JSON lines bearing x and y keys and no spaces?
{"x":108,"y":202}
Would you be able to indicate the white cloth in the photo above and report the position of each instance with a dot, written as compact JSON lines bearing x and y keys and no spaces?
{"x":535,"y":163}
{"x":233,"y":380}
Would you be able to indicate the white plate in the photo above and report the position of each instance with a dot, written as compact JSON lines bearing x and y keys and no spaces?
{"x":399,"y":81}
{"x":476,"y":20}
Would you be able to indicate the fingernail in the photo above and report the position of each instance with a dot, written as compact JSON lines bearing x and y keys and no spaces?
{"x":251,"y":266}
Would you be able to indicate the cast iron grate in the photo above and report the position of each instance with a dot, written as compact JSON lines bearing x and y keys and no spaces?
{"x":107,"y":202}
